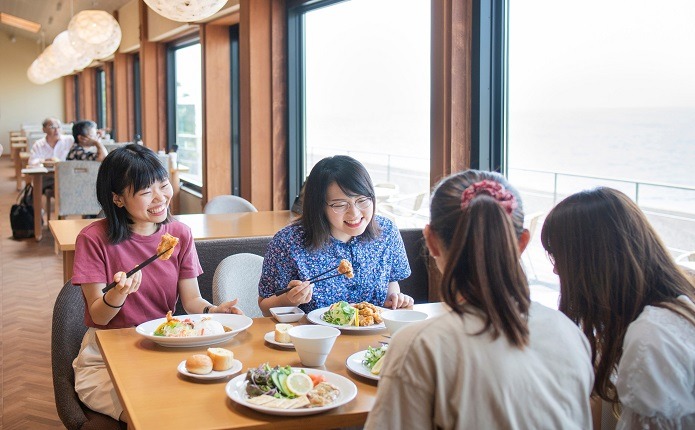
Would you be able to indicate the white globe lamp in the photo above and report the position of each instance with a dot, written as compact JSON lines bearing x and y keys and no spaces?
{"x":90,"y":29}
{"x":186,"y":10}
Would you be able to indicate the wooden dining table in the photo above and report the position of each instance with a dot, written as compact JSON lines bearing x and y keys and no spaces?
{"x":203,"y":227}
{"x":155,"y":395}
{"x":36,"y":176}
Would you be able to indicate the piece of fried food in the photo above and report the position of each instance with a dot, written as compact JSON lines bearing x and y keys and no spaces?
{"x":368,"y":314}
{"x":168,"y":242}
{"x":345,"y":268}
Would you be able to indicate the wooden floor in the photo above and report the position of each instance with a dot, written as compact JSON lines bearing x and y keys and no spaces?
{"x":30,"y":278}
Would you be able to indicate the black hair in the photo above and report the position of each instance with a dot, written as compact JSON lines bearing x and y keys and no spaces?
{"x":134,"y":166}
{"x":80,"y":128}
{"x":352,"y":177}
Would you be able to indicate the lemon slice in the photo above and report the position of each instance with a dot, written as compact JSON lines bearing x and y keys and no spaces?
{"x":376,"y":369}
{"x":299,"y":383}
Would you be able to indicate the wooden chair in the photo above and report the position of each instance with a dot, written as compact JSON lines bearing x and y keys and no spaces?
{"x":67,"y":331}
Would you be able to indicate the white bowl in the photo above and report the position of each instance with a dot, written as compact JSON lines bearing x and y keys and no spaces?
{"x":287,"y":314}
{"x":398,"y":318}
{"x":313,"y":343}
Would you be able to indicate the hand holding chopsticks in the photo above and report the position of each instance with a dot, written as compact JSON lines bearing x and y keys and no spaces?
{"x":344,"y":268}
{"x":138,"y":267}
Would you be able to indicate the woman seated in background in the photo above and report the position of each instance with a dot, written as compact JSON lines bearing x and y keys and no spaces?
{"x":495,"y":360}
{"x":619,"y":283}
{"x":338,"y":222}
{"x":86,"y":137}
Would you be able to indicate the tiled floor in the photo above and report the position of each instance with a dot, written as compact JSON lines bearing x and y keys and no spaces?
{"x":30,"y":278}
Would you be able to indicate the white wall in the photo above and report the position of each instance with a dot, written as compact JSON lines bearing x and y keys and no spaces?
{"x":20,"y":100}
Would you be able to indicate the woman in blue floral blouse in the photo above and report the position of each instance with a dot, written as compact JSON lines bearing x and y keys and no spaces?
{"x":338,"y":222}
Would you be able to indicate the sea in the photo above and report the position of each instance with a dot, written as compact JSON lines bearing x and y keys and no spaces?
{"x":621,"y":148}
{"x":648,"y":153}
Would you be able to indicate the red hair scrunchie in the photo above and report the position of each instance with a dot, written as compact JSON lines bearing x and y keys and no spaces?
{"x":493,"y":189}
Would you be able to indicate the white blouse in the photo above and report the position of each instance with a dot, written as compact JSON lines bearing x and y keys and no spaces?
{"x":41,"y":150}
{"x":656,"y":374}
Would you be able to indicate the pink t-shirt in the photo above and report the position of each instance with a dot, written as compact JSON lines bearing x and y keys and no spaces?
{"x":97,"y":260}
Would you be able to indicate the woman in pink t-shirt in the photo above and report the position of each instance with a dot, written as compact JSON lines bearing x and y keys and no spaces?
{"x":134,"y":191}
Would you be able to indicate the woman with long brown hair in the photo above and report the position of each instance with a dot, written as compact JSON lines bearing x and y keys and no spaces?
{"x":621,"y":286}
{"x":495,"y":359}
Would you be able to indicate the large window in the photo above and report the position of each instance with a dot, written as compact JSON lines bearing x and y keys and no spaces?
{"x":185,"y":108}
{"x":360,"y":85}
{"x":601,"y":93}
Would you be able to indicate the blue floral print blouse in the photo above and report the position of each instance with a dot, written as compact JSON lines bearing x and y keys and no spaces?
{"x":375,"y":263}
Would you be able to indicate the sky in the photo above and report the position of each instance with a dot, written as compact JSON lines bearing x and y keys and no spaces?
{"x":602,"y":53}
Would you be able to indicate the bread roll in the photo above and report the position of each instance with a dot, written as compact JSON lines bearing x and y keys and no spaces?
{"x":199,"y":364}
{"x":221,"y":358}
{"x":281,"y":334}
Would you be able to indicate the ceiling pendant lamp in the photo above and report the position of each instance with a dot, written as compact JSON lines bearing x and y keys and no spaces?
{"x":110,"y":46}
{"x":62,"y":45}
{"x":38,"y":73}
{"x":89,"y":30}
{"x":186,"y":10}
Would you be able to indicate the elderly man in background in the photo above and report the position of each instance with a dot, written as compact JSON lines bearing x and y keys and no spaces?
{"x":54,"y":146}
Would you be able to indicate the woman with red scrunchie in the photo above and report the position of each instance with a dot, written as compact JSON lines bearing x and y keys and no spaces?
{"x":495,"y":359}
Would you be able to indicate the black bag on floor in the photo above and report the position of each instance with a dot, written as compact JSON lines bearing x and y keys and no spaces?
{"x":22,"y":214}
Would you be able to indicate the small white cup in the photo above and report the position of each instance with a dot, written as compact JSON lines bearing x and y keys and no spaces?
{"x":313,"y":343}
{"x":399,"y":318}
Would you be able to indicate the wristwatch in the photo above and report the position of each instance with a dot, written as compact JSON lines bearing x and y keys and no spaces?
{"x":206,"y":309}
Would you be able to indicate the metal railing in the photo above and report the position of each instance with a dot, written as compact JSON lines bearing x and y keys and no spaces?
{"x":636,"y":184}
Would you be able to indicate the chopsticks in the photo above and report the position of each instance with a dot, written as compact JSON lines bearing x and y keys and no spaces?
{"x":314,"y":278}
{"x":138,"y":267}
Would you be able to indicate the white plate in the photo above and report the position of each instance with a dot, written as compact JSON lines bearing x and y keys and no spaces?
{"x":237,"y":323}
{"x":270,"y":338}
{"x":236,"y":390}
{"x":316,"y":317}
{"x":354,"y":363}
{"x":236,"y":367}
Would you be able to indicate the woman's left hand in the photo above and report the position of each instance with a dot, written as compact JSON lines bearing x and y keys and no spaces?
{"x":398,"y":300}
{"x":228,"y":308}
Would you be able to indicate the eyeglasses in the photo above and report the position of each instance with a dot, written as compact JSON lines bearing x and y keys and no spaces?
{"x":342,"y":207}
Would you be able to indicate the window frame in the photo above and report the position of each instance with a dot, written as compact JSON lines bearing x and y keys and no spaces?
{"x":296,"y":101}
{"x":100,"y":99}
{"x":137,"y":98}
{"x":490,"y":83}
{"x":171,"y":49}
{"x":76,"y":83}
{"x":235,"y":111}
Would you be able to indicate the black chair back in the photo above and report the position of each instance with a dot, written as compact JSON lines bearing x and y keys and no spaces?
{"x":67,"y":331}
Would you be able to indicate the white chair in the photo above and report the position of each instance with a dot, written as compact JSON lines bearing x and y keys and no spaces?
{"x":237,"y":276}
{"x":532,"y":222}
{"x":686,"y":257}
{"x":75,"y":188}
{"x":228,"y":204}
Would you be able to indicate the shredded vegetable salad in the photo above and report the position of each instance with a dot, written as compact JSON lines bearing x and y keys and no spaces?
{"x":373,"y":355}
{"x":340,"y":313}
